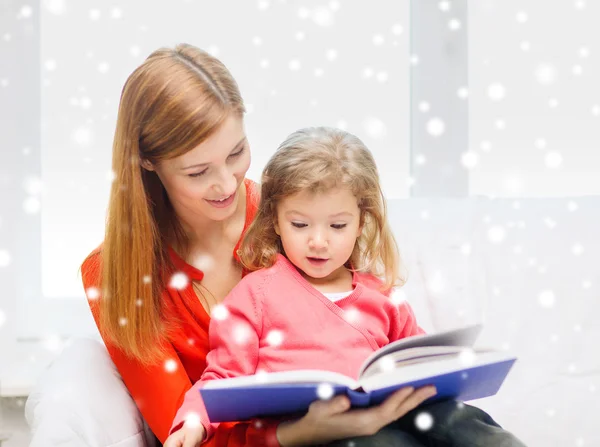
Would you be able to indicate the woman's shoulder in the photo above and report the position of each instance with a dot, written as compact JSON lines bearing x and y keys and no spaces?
{"x":92,"y":266}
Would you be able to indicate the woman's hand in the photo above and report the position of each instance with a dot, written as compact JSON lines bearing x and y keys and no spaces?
{"x":333,"y":420}
{"x":187,"y":436}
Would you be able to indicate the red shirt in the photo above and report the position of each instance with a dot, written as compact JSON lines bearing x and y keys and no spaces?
{"x":159,"y":390}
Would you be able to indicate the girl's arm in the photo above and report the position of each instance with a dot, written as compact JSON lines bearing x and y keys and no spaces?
{"x":234,"y":333}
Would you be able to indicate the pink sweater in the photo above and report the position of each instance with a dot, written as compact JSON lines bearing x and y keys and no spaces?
{"x":275,"y":320}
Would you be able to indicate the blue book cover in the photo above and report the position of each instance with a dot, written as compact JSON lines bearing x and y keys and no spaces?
{"x":444,"y":360}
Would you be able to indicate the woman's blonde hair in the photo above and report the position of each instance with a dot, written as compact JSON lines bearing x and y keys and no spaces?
{"x":169,"y":105}
{"x":317,"y":160}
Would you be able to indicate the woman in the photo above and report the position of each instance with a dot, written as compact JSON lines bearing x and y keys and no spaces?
{"x":178,"y":208}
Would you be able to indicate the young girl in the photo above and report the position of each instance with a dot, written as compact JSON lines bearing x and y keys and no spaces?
{"x":324,"y":261}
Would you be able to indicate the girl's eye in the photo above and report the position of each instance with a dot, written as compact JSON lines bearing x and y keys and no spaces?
{"x":338,"y":226}
{"x":197,"y":174}
{"x":298,"y":224}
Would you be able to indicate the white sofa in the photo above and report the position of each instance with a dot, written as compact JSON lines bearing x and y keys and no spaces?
{"x":529,"y":269}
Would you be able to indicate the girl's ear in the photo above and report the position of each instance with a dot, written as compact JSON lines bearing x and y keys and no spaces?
{"x":147,"y":165}
{"x":276,"y":226}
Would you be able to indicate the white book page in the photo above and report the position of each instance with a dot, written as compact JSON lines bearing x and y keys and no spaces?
{"x":418,"y":371}
{"x":284,"y":377}
{"x":457,"y":337}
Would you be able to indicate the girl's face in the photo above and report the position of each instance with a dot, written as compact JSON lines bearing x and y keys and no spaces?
{"x":206,"y":182}
{"x":318,"y":231}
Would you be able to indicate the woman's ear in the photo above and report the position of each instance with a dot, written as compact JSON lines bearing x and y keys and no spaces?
{"x":147,"y":165}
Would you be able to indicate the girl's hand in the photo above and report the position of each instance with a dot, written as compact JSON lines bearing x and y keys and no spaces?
{"x":332,"y":420}
{"x":186,"y":436}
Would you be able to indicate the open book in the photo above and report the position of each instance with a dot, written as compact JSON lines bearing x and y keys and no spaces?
{"x":446,"y":360}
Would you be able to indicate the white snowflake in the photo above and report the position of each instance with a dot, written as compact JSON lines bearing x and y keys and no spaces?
{"x":375,"y":128}
{"x":414,"y":59}
{"x":103,"y":67}
{"x":553,"y":103}
{"x":123,"y":321}
{"x":179,"y":281}
{"x":53,"y":343}
{"x":325,"y":391}
{"x":82,"y":136}
{"x":303,"y":13}
{"x":275,"y":337}
{"x":147,"y":279}
{"x":522,"y":17}
{"x":577,"y":249}
{"x":437,"y":282}
{"x":424,"y":421}
{"x":547,"y":299}
{"x":263,"y":5}
{"x":398,"y":296}
{"x":85,"y":103}
{"x":596,"y":110}
{"x":444,"y":5}
{"x":2,"y":318}
{"x":264,"y":63}
{"x":462,"y":92}
{"x":500,"y":124}
{"x":135,"y":51}
{"x":294,"y":65}
{"x":485,"y":146}
{"x":436,"y":127}
{"x":469,"y":159}
{"x":420,"y":159}
{"x":424,"y":106}
{"x":466,"y":249}
{"x":92,"y":293}
{"x":331,"y":54}
{"x":586,"y":284}
{"x":323,"y":17}
{"x":170,"y":366}
{"x":300,"y":35}
{"x":352,"y":315}
{"x":32,"y":205}
{"x":241,"y":334}
{"x":382,"y":76}
{"x":50,"y":65}
{"x":545,"y":74}
{"x":496,"y":91}
{"x":584,"y":52}
{"x":219,"y":312}
{"x":378,"y":39}
{"x":572,"y":206}
{"x":553,"y":159}
{"x":386,"y":364}
{"x":467,"y":357}
{"x":540,"y":143}
{"x":577,"y":70}
{"x":25,"y":12}
{"x":116,"y":13}
{"x":525,"y":45}
{"x":496,"y":234}
{"x":397,"y":29}
{"x":256,"y":40}
{"x":454,"y":24}
{"x":192,"y":420}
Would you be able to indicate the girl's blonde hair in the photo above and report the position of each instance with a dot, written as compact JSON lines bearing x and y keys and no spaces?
{"x":317,"y":160}
{"x":169,"y":105}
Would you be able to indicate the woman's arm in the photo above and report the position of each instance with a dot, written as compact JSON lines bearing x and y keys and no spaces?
{"x":158,"y":390}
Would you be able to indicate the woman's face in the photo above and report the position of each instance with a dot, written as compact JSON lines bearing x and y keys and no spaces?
{"x":205,"y":183}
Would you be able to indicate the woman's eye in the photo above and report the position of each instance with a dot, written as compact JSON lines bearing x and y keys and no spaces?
{"x":238,"y":153}
{"x":197,"y":174}
{"x":338,"y":226}
{"x":298,"y":224}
